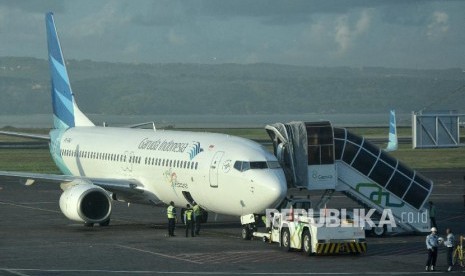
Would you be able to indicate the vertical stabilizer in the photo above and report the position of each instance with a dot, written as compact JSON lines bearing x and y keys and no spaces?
{"x":393,"y":143}
{"x":66,"y":114}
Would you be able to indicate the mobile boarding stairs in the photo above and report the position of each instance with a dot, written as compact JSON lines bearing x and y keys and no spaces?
{"x":317,"y":156}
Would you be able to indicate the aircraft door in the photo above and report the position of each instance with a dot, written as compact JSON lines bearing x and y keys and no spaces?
{"x":214,"y":168}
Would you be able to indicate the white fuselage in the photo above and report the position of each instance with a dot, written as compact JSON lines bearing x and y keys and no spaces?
{"x":176,"y":165}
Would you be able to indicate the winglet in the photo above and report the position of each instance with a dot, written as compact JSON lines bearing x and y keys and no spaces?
{"x":66,"y":113}
{"x":393,"y":143}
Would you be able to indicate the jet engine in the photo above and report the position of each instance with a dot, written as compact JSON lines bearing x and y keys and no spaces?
{"x":85,"y":202}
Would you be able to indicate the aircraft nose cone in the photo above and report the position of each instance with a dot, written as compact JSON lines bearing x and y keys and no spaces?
{"x":275,"y":189}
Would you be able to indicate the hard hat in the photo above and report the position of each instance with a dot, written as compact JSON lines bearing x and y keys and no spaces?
{"x":434,"y":229}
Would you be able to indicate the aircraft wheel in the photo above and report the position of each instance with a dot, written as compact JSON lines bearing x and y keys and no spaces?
{"x":105,"y":223}
{"x":88,"y":224}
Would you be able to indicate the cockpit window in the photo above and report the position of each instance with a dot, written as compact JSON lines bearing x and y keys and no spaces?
{"x":273,"y":165}
{"x":258,"y":165}
{"x":243,"y":166}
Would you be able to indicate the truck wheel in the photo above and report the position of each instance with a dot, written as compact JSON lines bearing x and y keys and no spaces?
{"x":379,"y":231}
{"x":306,"y":243}
{"x":285,"y":240}
{"x":246,"y":234}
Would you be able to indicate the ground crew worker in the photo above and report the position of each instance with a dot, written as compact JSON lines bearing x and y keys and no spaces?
{"x":449,"y":243}
{"x":432,"y":246}
{"x":189,"y":220}
{"x":197,"y":217}
{"x":171,"y":214}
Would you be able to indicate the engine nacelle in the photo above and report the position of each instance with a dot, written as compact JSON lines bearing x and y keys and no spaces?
{"x":85,"y":202}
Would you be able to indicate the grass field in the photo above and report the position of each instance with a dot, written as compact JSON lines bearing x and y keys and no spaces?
{"x":39,"y":160}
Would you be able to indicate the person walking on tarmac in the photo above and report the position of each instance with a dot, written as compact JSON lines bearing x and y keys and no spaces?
{"x":189,"y":220}
{"x":450,"y":244}
{"x":171,"y":214}
{"x":432,"y":246}
{"x":197,"y":217}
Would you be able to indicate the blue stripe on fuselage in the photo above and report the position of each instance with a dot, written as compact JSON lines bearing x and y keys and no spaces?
{"x":55,"y":150}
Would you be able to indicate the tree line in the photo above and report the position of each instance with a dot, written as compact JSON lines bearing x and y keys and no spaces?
{"x":136,"y":89}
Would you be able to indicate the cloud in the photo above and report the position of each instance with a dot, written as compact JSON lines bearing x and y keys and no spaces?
{"x":268,"y":12}
{"x":345,"y":34}
{"x":41,"y":6}
{"x":303,"y":32}
{"x":438,"y":26}
{"x":278,"y":12}
{"x":176,"y":39}
{"x":108,"y":17}
{"x":164,"y":13}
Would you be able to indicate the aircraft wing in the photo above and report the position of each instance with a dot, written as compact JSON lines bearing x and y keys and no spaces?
{"x":127,"y":187}
{"x":26,"y":135}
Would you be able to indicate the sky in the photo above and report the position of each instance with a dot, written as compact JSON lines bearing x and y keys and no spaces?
{"x":416,"y":34}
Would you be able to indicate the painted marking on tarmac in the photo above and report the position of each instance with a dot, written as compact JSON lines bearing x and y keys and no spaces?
{"x":28,"y":207}
{"x":157,"y":254}
{"x":37,"y":203}
{"x":14,"y":272}
{"x":42,"y":209}
{"x":239,"y":257}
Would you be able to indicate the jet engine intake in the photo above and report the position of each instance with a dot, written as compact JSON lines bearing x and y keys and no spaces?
{"x":85,"y":202}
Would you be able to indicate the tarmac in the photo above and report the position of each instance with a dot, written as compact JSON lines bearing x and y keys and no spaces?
{"x":36,"y":239}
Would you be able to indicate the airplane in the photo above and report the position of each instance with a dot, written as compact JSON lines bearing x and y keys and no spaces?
{"x":222,"y":173}
{"x":393,"y":143}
